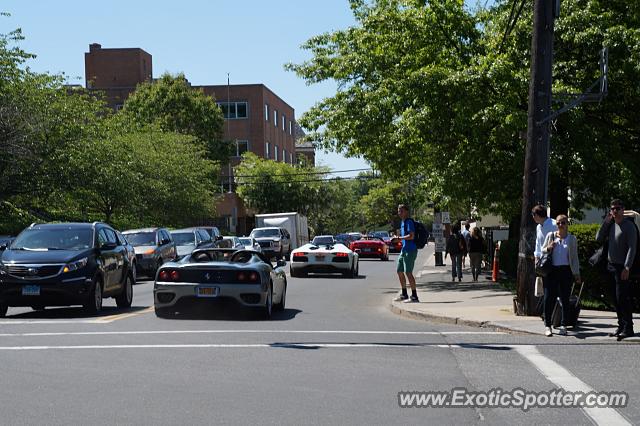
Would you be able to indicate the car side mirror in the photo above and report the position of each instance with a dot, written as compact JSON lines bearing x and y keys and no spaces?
{"x":219,"y":238}
{"x":109,"y":246}
{"x":281,"y":263}
{"x":3,"y":247}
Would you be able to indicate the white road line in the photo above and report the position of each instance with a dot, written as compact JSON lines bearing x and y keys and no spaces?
{"x":220,"y":346}
{"x":562,"y":377}
{"x":101,"y":333}
{"x":21,"y":322}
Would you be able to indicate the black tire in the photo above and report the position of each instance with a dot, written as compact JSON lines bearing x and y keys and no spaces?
{"x":3,"y":309}
{"x":93,"y":302}
{"x":349,"y":273}
{"x":38,"y":307}
{"x":283,"y":300}
{"x":293,"y":273}
{"x":155,"y":270}
{"x":267,"y":310}
{"x":134,"y":271}
{"x":125,"y":298}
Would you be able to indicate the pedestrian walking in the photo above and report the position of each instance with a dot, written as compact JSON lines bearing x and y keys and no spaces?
{"x":467,"y":236}
{"x":476,"y":252}
{"x":456,"y":248}
{"x":563,"y":248}
{"x":407,"y":257}
{"x":623,"y":242}
{"x":544,"y":225}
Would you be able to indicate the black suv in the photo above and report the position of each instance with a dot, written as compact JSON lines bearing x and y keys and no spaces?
{"x":65,"y":264}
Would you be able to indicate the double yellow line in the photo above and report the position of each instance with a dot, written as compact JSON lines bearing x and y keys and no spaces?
{"x":117,"y":317}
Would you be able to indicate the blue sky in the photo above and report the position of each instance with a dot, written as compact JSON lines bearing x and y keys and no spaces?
{"x":251,"y":40}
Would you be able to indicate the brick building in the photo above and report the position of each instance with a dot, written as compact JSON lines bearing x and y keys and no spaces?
{"x":256,"y":119}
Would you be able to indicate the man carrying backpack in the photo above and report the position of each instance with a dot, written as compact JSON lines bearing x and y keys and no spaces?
{"x":407,"y":257}
{"x":456,"y":248}
{"x":623,"y":242}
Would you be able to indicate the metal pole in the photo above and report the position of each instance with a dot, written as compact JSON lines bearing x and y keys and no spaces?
{"x":534,"y":185}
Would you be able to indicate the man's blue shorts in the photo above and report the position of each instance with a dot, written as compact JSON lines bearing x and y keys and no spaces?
{"x":406,"y":260}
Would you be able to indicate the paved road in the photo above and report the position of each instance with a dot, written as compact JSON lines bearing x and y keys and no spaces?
{"x":336,"y":355}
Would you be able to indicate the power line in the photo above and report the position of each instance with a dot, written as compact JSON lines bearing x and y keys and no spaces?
{"x":269,"y":182}
{"x":307,"y":173}
{"x":511,"y":24}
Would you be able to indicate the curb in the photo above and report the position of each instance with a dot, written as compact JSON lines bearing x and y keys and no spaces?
{"x":443,"y":319}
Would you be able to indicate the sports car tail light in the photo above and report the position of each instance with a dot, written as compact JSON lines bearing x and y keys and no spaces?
{"x":341,"y":254}
{"x":169,"y":275}
{"x":379,"y":250}
{"x":299,"y":254}
{"x":248,"y":277}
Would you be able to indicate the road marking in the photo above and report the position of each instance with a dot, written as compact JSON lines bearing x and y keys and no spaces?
{"x":292,"y":345}
{"x":140,"y":332}
{"x":112,"y":318}
{"x":562,"y":377}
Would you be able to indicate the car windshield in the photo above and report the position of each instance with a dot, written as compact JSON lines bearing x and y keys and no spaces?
{"x":184,"y":238}
{"x":322,"y":241}
{"x":142,"y":238}
{"x":261,"y":233}
{"x":246,"y":241}
{"x":54,"y":239}
{"x":380,"y":234}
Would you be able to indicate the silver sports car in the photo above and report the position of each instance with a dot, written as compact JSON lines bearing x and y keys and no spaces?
{"x":244,"y":276}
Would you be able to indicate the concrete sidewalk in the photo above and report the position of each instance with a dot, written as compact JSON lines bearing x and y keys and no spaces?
{"x":486,"y":304}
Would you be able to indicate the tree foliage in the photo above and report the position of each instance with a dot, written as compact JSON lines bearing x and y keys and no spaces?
{"x":174,"y":106}
{"x":425,"y":89}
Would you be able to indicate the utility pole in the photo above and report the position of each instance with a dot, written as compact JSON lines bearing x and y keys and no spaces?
{"x":536,"y":167}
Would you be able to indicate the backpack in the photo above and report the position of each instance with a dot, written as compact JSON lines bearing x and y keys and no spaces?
{"x":635,"y":267}
{"x":420,"y":236}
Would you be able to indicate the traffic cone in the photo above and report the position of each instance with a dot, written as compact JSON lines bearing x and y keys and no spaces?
{"x":495,"y":272}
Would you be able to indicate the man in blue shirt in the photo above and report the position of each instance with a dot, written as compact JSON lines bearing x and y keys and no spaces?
{"x":407,"y":257}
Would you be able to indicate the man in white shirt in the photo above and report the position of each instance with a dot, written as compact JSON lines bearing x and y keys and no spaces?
{"x":545,"y":225}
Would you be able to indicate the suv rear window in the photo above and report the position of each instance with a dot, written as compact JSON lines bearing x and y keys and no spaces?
{"x":184,"y":238}
{"x":54,"y":239}
{"x":142,"y":239}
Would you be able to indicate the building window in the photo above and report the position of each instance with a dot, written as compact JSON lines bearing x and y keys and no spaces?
{"x":275,"y":152}
{"x":233,"y":110}
{"x":275,"y":117}
{"x":267,"y":154}
{"x":284,"y":122}
{"x":241,"y":146}
{"x":290,"y":126}
{"x":266,"y":112}
{"x":284,"y":155}
{"x":291,"y":158}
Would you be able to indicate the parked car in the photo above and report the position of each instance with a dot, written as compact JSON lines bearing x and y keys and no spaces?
{"x":345,"y":239}
{"x":250,"y":243}
{"x":131,"y":254}
{"x":65,"y":264}
{"x":384,"y":236}
{"x":273,"y":241}
{"x":189,"y":239}
{"x":371,"y":247}
{"x":213,"y":231}
{"x":230,"y":242}
{"x":153,"y":246}
{"x":243,"y":276}
{"x":324,"y":259}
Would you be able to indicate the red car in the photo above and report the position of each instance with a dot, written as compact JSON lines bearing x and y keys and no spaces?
{"x":370,"y":247}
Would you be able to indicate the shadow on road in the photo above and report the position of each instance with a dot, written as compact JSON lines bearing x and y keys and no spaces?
{"x":228,"y":312}
{"x":69,"y":312}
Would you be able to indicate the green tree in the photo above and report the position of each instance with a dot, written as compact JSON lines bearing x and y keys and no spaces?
{"x":172,"y":104}
{"x":428,"y":89}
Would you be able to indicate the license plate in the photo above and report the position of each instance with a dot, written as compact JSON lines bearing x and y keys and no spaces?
{"x":319,"y":256}
{"x":31,"y":290}
{"x":367,"y":249}
{"x":207,"y":291}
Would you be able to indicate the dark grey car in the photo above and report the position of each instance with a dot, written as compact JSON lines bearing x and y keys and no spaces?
{"x":189,"y":239}
{"x":153,"y":247}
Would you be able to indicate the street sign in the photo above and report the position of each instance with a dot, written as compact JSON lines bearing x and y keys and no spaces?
{"x":440,"y":244}
{"x":445,"y":217}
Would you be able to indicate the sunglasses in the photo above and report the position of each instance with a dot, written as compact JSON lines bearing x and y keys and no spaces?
{"x":616,"y":209}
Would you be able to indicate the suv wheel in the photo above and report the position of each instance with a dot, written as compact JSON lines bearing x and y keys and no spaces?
{"x":124,"y":299}
{"x":93,"y":303}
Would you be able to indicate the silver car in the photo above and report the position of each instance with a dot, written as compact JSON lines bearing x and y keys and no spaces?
{"x":244,"y":276}
{"x":250,"y":243}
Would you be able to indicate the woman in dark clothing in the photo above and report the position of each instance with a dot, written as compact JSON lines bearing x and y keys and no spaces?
{"x":476,"y":251}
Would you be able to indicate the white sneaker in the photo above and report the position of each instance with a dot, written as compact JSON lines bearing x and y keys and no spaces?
{"x":562,"y":331}
{"x":401,"y":298}
{"x":548,"y":332}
